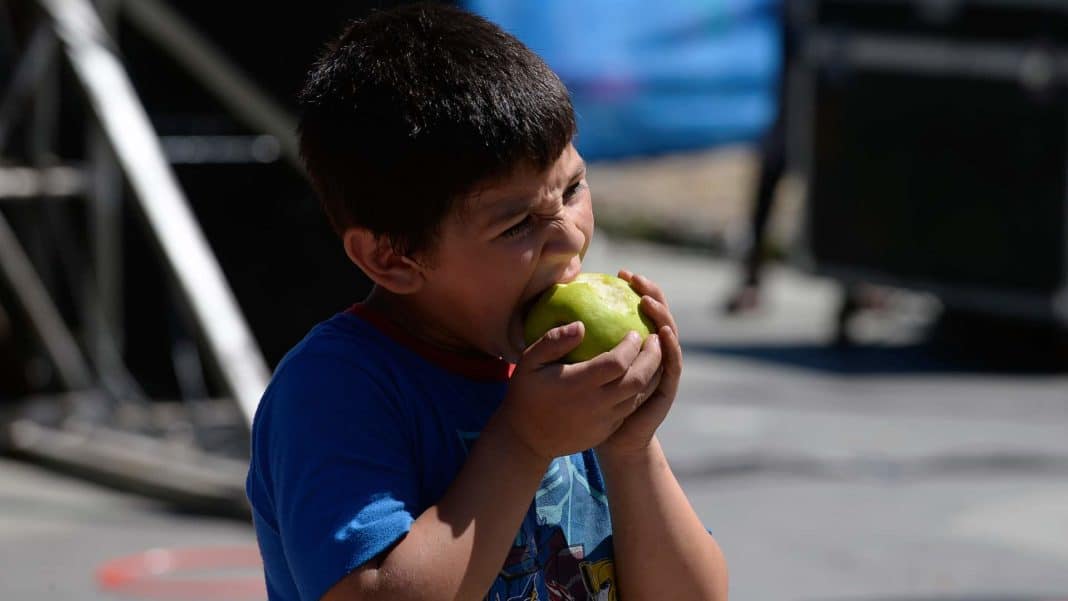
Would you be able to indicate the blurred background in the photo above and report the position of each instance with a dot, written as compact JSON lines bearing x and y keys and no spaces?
{"x":858,"y":209}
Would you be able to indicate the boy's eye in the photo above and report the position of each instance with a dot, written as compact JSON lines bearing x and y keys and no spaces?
{"x":520,"y":228}
{"x":574,"y":189}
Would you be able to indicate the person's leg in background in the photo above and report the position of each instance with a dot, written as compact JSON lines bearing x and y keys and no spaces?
{"x":772,"y":166}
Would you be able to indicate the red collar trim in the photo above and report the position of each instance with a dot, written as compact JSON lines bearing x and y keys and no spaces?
{"x":475,"y":368}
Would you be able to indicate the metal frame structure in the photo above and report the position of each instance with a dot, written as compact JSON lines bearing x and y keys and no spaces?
{"x":123,"y":145}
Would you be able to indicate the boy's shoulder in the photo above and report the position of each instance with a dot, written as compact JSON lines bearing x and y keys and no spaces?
{"x":339,"y":359}
{"x":338,"y":338}
{"x":356,"y":357}
{"x":347,"y":374}
{"x":364,"y":339}
{"x":341,"y":346}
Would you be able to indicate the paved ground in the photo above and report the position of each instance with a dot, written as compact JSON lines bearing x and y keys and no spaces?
{"x":894,"y":470}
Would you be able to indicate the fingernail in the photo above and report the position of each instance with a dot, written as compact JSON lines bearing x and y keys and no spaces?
{"x":570,"y":329}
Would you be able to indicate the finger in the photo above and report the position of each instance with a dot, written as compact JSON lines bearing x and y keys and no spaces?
{"x":644,"y":286}
{"x":609,"y":365}
{"x":671,"y":363}
{"x":657,"y":378}
{"x":647,"y":393}
{"x":658,"y":312}
{"x":640,"y":373}
{"x":553,"y":345}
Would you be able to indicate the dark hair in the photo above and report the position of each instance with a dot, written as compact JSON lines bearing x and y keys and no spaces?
{"x":411,"y":108}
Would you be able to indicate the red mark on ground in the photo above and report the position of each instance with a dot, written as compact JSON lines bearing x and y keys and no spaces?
{"x":185,"y":574}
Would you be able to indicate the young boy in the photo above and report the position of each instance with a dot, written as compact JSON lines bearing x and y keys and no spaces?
{"x":412,"y":447}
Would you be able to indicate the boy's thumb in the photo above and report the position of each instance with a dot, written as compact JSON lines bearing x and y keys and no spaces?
{"x":555,"y":343}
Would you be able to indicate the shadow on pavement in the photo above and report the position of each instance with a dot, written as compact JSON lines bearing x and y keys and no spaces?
{"x":954,"y":344}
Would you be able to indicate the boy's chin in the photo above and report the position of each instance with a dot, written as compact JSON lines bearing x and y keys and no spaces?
{"x":513,"y":350}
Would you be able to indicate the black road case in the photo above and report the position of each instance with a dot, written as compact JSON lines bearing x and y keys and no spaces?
{"x":933,"y":138}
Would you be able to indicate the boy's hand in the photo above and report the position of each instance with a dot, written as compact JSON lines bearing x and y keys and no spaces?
{"x":557,"y":409}
{"x":654,"y":401}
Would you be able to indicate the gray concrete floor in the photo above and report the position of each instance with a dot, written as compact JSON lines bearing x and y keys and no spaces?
{"x":56,"y":532}
{"x":875,"y":473}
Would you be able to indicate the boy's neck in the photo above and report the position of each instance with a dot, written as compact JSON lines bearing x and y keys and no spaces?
{"x":403,"y":312}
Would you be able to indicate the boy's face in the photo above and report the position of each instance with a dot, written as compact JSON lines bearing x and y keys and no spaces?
{"x":509,"y":242}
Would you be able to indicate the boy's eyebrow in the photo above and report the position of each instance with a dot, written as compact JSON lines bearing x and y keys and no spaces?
{"x":510,"y":210}
{"x":514,"y":207}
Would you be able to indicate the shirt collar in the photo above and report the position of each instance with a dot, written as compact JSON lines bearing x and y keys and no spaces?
{"x":475,"y":368}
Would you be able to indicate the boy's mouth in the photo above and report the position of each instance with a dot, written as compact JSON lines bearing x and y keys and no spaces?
{"x":528,"y":304}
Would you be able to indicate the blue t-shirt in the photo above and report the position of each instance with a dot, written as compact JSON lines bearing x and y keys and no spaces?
{"x":362,"y":429}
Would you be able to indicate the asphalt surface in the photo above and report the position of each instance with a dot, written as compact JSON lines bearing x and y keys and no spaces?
{"x":896,"y":469}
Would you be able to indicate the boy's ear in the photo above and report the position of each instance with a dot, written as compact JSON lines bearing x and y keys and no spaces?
{"x":375,"y":255}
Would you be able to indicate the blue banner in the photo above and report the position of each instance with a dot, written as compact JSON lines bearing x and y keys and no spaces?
{"x":651,"y":77}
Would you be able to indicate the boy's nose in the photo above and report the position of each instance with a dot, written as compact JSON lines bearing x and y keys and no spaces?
{"x":565,"y":243}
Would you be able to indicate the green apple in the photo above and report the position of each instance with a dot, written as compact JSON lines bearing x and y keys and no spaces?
{"x":605,"y":304}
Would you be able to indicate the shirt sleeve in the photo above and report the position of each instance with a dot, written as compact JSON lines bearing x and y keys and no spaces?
{"x":342,"y":469}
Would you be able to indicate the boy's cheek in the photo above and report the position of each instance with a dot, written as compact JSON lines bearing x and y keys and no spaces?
{"x":588,"y":232}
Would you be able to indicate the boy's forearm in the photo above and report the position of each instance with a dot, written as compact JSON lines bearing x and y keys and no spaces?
{"x":662,"y":551}
{"x":456,"y":548}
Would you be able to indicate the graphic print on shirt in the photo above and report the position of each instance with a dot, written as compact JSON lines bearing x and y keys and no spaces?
{"x":563,"y":550}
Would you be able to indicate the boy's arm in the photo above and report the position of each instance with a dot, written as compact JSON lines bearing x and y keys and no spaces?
{"x":662,"y":551}
{"x":455,"y":549}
